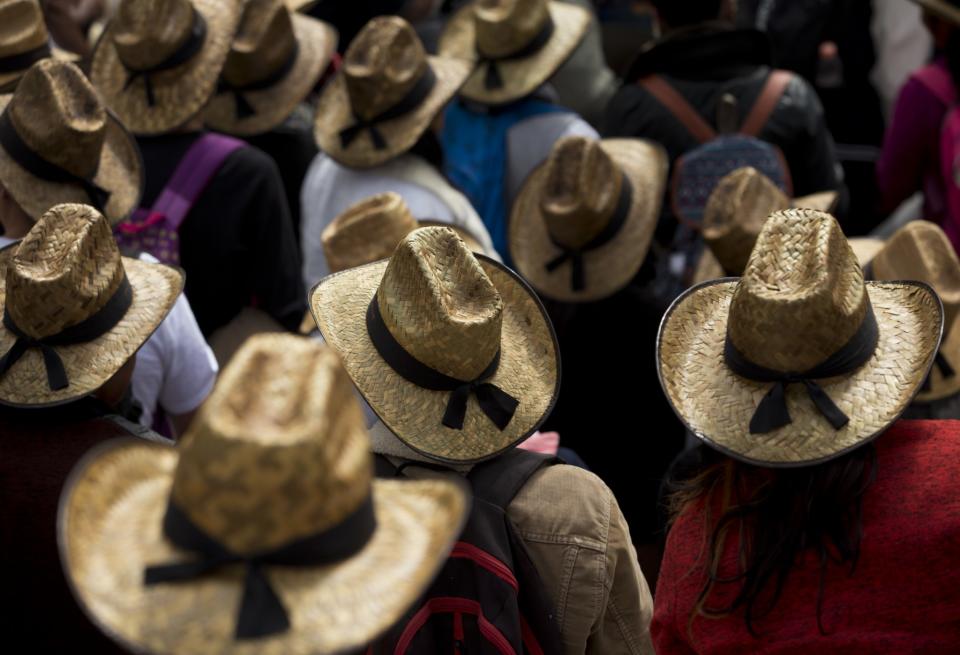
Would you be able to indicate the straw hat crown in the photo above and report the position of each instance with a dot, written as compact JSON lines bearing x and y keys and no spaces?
{"x":59,"y":115}
{"x":264,"y":43}
{"x":507,"y":26}
{"x":21,"y":27}
{"x":367,"y":231}
{"x":440,"y":305}
{"x":921,"y":251}
{"x":148,"y":32}
{"x":64,"y":271}
{"x":581,"y":191}
{"x":802,"y":296}
{"x":278,"y":452}
{"x":381,"y":66}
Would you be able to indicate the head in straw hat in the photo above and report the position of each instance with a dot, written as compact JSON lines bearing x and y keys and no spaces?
{"x":799,"y":360}
{"x":452,"y":350}
{"x":386,"y":96}
{"x":58,"y":143}
{"x":276,"y":60}
{"x":23,"y":41}
{"x":921,"y":251}
{"x":583,"y":221}
{"x":158,"y":62}
{"x":948,"y":10}
{"x":264,"y":526}
{"x":74,"y":311}
{"x":515,"y":45}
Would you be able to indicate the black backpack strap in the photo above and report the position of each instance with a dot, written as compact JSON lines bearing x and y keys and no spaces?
{"x":384,"y":468}
{"x":500,"y":479}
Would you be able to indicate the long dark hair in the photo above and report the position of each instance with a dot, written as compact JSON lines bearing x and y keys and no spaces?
{"x":952,"y":54}
{"x":777,"y":514}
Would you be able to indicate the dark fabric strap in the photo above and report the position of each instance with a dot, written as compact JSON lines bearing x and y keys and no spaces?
{"x":618,"y":219}
{"x":943,"y":365}
{"x":87,"y":330}
{"x":261,"y":611}
{"x":407,"y":104}
{"x":24,"y":60}
{"x":498,"y":405}
{"x":33,"y":163}
{"x":243,"y":107}
{"x":772,"y":411}
{"x":190,"y":49}
{"x":493,"y":79}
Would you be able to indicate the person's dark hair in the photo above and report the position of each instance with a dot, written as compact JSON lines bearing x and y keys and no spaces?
{"x":952,"y":54}
{"x":429,"y":148}
{"x":777,"y":515}
{"x":679,"y":13}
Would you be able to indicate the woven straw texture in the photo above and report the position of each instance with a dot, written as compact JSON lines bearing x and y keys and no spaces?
{"x":61,"y":117}
{"x":65,"y":269}
{"x":503,"y":33}
{"x":22,"y":29}
{"x":451,"y":310}
{"x":801,"y":298}
{"x":367,"y":231}
{"x":285,"y":401}
{"x":181,"y":92}
{"x":383,"y":62}
{"x":560,"y":197}
{"x":262,"y":35}
{"x":941,"y":8}
{"x":920,"y":250}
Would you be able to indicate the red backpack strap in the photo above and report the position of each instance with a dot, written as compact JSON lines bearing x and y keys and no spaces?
{"x":677,"y":105}
{"x":200,"y":163}
{"x":773,"y":89}
{"x":939,"y":82}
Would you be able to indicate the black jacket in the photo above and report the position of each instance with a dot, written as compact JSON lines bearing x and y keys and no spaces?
{"x":703,"y":63}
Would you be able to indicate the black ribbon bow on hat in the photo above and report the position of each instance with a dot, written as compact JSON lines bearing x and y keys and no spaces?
{"x":87,"y":330}
{"x":261,"y":611}
{"x":24,"y":60}
{"x":618,"y":219}
{"x":498,"y":405}
{"x":772,"y":412}
{"x":243,"y":107}
{"x":33,"y":163}
{"x":493,"y":79}
{"x":945,"y":368}
{"x":414,"y":98}
{"x":190,"y":48}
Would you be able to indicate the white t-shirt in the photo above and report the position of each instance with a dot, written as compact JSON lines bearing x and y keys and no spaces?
{"x":175,"y":368}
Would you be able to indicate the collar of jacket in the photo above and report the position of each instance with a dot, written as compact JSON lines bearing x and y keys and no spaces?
{"x":710,"y":51}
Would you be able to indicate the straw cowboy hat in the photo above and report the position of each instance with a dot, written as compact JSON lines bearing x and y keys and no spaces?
{"x":264,"y":530}
{"x":385,"y":96}
{"x":736,"y":212}
{"x":23,"y":41}
{"x":74,"y":310}
{"x":921,"y":251}
{"x":582,"y":224}
{"x":158,"y":61}
{"x":945,"y":9}
{"x":58,"y":143}
{"x":453,"y":351}
{"x":515,"y":45}
{"x":276,"y":60}
{"x":800,"y":360}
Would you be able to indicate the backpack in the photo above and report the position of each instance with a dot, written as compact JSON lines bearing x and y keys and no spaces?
{"x":488,"y":598}
{"x":938,"y":80}
{"x":156,"y":230}
{"x":697,"y":172}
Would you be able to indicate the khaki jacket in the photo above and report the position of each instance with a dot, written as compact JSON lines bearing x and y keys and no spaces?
{"x":580,"y":543}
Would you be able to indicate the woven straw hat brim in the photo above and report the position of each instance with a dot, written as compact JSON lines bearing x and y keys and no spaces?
{"x":521,"y":77}
{"x":943,"y":9}
{"x":334,"y":114}
{"x":716,"y":405}
{"x":941,"y":387}
{"x":182,"y":92}
{"x":866,"y":248}
{"x":825,"y":201}
{"x":109,"y":531}
{"x":317,"y":44}
{"x":529,"y":367}
{"x":610,"y":267}
{"x":90,"y":365}
{"x":8,"y":80}
{"x":120,"y":173}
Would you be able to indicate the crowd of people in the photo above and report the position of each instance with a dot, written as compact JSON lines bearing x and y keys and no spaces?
{"x":419,"y":327}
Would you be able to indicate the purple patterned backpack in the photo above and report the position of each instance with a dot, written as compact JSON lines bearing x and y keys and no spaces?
{"x":156,"y":230}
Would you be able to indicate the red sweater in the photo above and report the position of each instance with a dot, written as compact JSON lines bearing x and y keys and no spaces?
{"x":904,"y":596}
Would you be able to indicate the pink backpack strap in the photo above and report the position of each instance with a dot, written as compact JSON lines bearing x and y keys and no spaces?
{"x":200,"y":163}
{"x":939,"y":82}
{"x":677,"y":105}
